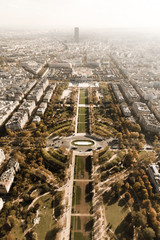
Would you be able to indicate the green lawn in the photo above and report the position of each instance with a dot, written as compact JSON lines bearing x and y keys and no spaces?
{"x":45,"y":228}
{"x":83,"y":93}
{"x":83,"y":110}
{"x":83,"y":100}
{"x":82,"y":118}
{"x":46,"y":224}
{"x":78,"y":223}
{"x":115,"y":214}
{"x":17,"y":230}
{"x":80,"y":236}
{"x":78,"y":195}
{"x":79,"y":163}
{"x":73,"y":222}
{"x":83,"y":124}
{"x":83,"y":127}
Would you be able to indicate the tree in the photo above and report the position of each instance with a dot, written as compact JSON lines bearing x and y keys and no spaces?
{"x":152,"y":214}
{"x":140,"y":145}
{"x":137,"y":128}
{"x":38,"y":133}
{"x":10,"y":236}
{"x":149,"y":233}
{"x":127,"y":196}
{"x":134,"y":135}
{"x":144,"y":193}
{"x":10,"y":133}
{"x":139,"y":219}
{"x":32,"y":125}
{"x":25,"y":144}
{"x":26,"y":133}
{"x":12,"y":221}
{"x":126,"y":185}
{"x":146,"y":204}
{"x":116,"y":188}
{"x":137,"y":186}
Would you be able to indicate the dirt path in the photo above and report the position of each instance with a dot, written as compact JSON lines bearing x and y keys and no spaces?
{"x":83,"y":180}
{"x":32,"y":203}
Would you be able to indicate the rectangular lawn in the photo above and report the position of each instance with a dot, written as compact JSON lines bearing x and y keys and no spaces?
{"x":82,"y":118}
{"x":115,"y":214}
{"x":83,"y":110}
{"x":82,"y":127}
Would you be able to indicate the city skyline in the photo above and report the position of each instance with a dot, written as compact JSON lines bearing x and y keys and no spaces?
{"x":85,"y":14}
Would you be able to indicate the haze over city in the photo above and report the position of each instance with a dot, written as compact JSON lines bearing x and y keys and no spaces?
{"x":143,"y":14}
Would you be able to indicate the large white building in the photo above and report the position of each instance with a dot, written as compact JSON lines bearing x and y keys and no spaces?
{"x":125,"y":110}
{"x":2,"y":156}
{"x":150,"y":123}
{"x":28,"y":105}
{"x":35,"y":94}
{"x":60,"y":64}
{"x":43,"y":83}
{"x":1,"y":203}
{"x":48,"y":96}
{"x":140,"y":108}
{"x":129,"y":92}
{"x":6,"y":109}
{"x":6,"y":181}
{"x":154,"y":175}
{"x":42,"y":108}
{"x":17,"y":121}
{"x":152,"y":104}
{"x":7,"y":177}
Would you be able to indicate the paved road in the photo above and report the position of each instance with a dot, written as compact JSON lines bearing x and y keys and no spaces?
{"x":83,"y":180}
{"x":81,"y":215}
{"x":67,"y":143}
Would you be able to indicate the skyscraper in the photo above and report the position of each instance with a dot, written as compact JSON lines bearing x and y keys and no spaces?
{"x":76,"y":34}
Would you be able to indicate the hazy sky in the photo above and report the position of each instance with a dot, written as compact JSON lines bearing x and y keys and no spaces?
{"x":82,"y":13}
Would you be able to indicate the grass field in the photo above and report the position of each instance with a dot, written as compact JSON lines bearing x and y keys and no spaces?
{"x":82,"y":118}
{"x":115,"y":213}
{"x":80,"y":236}
{"x":83,"y":111}
{"x":81,"y":228}
{"x":78,"y":195}
{"x":79,"y":223}
{"x":83,"y":127}
{"x":45,"y":227}
{"x":17,"y":231}
{"x":82,"y":167}
{"x":83,"y":93}
{"x":83,"y":123}
{"x":83,"y":99}
{"x":79,"y":167}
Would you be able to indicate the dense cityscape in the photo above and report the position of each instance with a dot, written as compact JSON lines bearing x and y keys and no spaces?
{"x":80,"y":136}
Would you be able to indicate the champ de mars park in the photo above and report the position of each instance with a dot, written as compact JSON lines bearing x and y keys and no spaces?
{"x":79,"y":139}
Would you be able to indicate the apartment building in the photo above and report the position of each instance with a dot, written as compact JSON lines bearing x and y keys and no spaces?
{"x":140,"y":108}
{"x":28,"y":105}
{"x":154,"y":175}
{"x":150,"y":123}
{"x":17,"y":121}
{"x":2,"y":156}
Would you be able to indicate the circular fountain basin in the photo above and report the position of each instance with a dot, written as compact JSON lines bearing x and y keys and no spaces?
{"x":83,"y":143}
